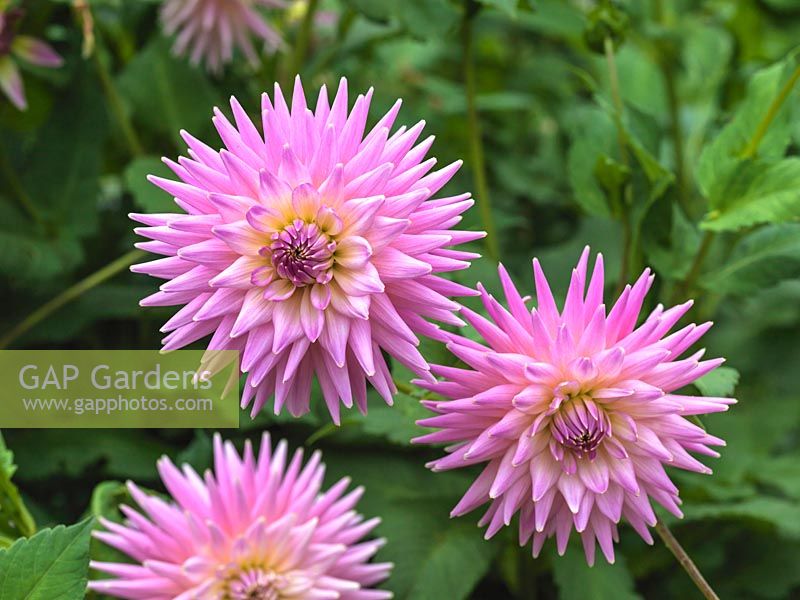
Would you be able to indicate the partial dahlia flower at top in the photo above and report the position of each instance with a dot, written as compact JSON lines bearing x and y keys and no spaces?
{"x":312,"y":249}
{"x":209,"y":30}
{"x":574,"y":413}
{"x":24,"y":47}
{"x":255,"y":528}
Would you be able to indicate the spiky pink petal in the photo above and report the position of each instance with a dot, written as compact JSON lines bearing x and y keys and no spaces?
{"x":254,"y":527}
{"x":573,"y":412}
{"x":319,"y":244}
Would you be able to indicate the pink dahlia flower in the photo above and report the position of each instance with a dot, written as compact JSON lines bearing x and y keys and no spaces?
{"x":208,"y":30}
{"x":255,"y":528}
{"x":24,"y":47}
{"x":311,"y":249}
{"x":575,"y":413}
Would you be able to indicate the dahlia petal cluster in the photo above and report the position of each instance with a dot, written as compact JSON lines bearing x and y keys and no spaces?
{"x":573,"y":413}
{"x":312,"y":249}
{"x":208,"y":30}
{"x":24,"y":47}
{"x":256,"y":527}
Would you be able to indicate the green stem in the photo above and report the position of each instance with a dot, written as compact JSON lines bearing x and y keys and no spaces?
{"x":71,"y":294}
{"x":685,"y":561}
{"x":616,"y":98}
{"x":474,"y":132}
{"x":16,"y":187}
{"x":751,"y":148}
{"x":404,"y":387}
{"x":303,"y":38}
{"x":116,"y":106}
{"x":681,"y":291}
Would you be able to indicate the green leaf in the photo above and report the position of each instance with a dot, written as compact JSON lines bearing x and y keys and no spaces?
{"x":720,"y":158}
{"x":429,"y":550}
{"x":760,"y":260}
{"x":719,"y":383}
{"x":15,"y":520}
{"x":509,"y":7}
{"x":782,"y":473}
{"x":684,"y":237}
{"x":52,"y":565}
{"x":422,"y":18}
{"x":117,"y":453}
{"x":396,"y":423}
{"x":147,"y":196}
{"x":782,"y":515}
{"x":593,"y":136}
{"x":743,"y":188}
{"x":602,"y":581}
{"x":757,"y":192}
{"x":62,"y":176}
{"x":426,"y":18}
{"x":166,"y":93}
{"x":441,"y":574}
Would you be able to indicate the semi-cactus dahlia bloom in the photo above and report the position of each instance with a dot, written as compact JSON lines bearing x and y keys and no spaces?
{"x":311,"y":249}
{"x":574,"y":413}
{"x":209,"y":30}
{"x":256,"y":528}
{"x":23,"y":47}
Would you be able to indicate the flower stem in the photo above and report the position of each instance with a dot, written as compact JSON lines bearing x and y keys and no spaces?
{"x":685,"y":561}
{"x":116,"y":106}
{"x":616,"y":97}
{"x":474,"y":131}
{"x":303,"y":38}
{"x":751,"y":148}
{"x":694,"y":271}
{"x":71,"y":294}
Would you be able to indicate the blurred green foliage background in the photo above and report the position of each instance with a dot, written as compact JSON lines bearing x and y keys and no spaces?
{"x":664,"y":175}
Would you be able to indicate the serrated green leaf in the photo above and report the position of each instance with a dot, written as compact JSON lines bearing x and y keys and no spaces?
{"x":719,"y":383}
{"x":757,"y":192}
{"x":51,"y":565}
{"x":760,"y":260}
{"x":576,"y":580}
{"x":720,"y":158}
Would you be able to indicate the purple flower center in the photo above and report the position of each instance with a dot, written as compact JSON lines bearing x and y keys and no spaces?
{"x":580,"y":425}
{"x":302,"y":253}
{"x":256,"y":584}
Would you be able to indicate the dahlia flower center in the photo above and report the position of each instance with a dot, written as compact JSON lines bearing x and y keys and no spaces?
{"x":580,"y":425}
{"x":256,"y":584}
{"x":302,"y":253}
